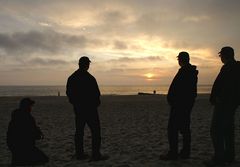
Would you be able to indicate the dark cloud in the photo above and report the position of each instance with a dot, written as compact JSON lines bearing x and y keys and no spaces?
{"x":35,"y":41}
{"x":113,"y":17}
{"x":47,"y":62}
{"x":120,"y":45}
{"x":183,"y":23}
{"x":37,"y":63}
{"x":155,"y":58}
{"x":50,"y":42}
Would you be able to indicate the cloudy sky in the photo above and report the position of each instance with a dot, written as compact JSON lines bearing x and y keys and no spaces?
{"x":129,"y":41}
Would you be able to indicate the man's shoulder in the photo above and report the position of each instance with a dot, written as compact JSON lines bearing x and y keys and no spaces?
{"x":192,"y":67}
{"x":231,"y":66}
{"x":238,"y":66}
{"x":73,"y":75}
{"x":78,"y":75}
{"x":90,"y":75}
{"x":18,"y":115}
{"x":238,"y":63}
{"x":189,"y":69}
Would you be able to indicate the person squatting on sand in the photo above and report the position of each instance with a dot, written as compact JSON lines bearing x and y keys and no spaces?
{"x":22,"y":134}
{"x":225,"y":96}
{"x":83,"y":93}
{"x":181,"y":97}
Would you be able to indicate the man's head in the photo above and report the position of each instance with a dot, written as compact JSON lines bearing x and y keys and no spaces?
{"x":84,"y":63}
{"x":26,"y":104}
{"x":183,"y":58}
{"x":226,"y":54}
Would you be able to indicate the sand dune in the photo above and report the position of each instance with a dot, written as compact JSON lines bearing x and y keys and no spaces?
{"x":133,"y":131}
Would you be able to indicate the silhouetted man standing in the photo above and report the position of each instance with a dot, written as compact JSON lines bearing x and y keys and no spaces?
{"x":181,"y":97}
{"x":84,"y":95}
{"x":225,"y":97}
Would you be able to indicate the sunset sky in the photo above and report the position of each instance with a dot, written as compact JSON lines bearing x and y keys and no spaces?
{"x":130,"y":42}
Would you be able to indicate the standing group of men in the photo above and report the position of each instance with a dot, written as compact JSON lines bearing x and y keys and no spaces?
{"x":83,"y":93}
{"x":225,"y":97}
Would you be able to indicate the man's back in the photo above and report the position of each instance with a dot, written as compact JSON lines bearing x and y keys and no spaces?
{"x":184,"y":85}
{"x":226,"y":88}
{"x":82,"y":89}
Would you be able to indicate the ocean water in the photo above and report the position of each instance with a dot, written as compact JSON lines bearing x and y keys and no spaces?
{"x":105,"y":90}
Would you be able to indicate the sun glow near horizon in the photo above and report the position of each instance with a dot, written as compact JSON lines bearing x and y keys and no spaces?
{"x":149,"y":75}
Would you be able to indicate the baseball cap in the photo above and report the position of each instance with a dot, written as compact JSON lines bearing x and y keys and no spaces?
{"x":26,"y":102}
{"x":183,"y":56}
{"x":84,"y":59}
{"x":227,"y":50}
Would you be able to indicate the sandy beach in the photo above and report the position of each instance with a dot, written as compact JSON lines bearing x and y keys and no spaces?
{"x":134,"y":131}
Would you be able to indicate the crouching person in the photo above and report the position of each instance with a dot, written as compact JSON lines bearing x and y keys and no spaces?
{"x":22,"y":134}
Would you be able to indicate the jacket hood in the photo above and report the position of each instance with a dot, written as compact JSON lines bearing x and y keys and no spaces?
{"x":194,"y":69}
{"x":190,"y":68}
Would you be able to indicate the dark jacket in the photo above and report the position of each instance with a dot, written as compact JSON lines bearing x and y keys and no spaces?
{"x":226,"y":88}
{"x":82,"y":89}
{"x":22,"y":131}
{"x":183,"y":89}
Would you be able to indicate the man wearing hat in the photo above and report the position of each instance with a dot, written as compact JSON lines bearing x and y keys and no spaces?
{"x":22,"y":134}
{"x":83,"y":93}
{"x":181,"y":97}
{"x":225,"y":96}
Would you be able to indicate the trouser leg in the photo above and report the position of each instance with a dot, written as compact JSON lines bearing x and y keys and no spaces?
{"x":38,"y":157}
{"x":94,"y":125}
{"x":186,"y":132}
{"x":79,"y":133}
{"x":173,"y":134}
{"x":229,"y":153}
{"x":217,"y":134}
{"x":20,"y":156}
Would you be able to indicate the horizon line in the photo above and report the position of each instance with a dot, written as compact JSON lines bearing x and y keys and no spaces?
{"x":108,"y":85}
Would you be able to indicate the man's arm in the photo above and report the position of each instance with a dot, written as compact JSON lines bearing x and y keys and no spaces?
{"x":69,"y":90}
{"x":98,"y":94}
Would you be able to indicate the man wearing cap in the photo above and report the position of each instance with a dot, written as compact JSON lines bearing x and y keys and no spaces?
{"x":225,"y":96}
{"x":83,"y":93}
{"x":22,"y":134}
{"x":181,"y":97}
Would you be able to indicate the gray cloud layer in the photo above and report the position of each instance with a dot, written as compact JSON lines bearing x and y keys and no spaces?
{"x":45,"y":32}
{"x":35,"y":41}
{"x":181,"y":23}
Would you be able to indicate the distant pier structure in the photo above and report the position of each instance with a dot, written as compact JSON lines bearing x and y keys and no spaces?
{"x":143,"y":93}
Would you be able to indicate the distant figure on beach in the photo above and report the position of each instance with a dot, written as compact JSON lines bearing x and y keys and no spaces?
{"x":83,"y":93}
{"x":22,"y":134}
{"x":225,"y":96}
{"x":181,"y":97}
